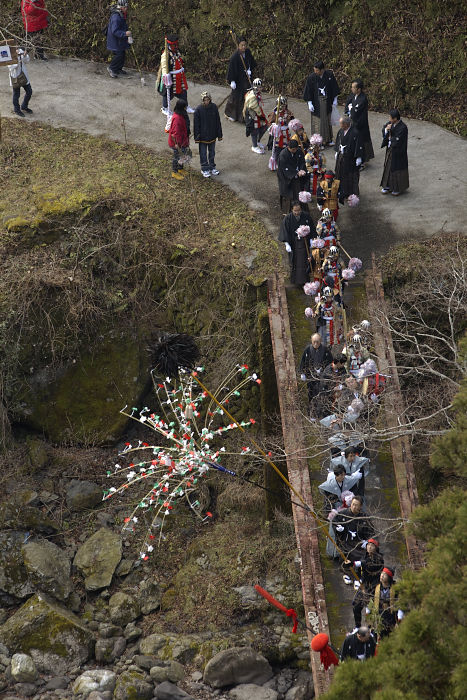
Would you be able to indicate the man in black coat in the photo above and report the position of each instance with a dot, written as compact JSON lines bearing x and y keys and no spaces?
{"x":396,"y":165}
{"x":353,"y":528}
{"x":370,"y":568}
{"x":239,"y":76}
{"x":356,"y":107}
{"x":360,"y":645}
{"x":207,"y":128}
{"x":321,"y":91}
{"x":315,"y":358}
{"x":297,"y":246}
{"x":291,"y":173}
{"x":349,"y":157}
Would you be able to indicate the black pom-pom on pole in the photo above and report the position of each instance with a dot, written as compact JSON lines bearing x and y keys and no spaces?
{"x":172,"y":352}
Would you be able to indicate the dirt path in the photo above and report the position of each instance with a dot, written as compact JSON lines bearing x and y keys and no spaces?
{"x":80,"y":95}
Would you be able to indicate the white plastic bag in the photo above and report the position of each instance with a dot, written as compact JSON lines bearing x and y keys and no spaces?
{"x":335,"y":116}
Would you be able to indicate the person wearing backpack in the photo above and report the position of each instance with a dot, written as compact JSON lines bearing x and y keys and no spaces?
{"x":118,"y":38}
{"x":19,"y":78}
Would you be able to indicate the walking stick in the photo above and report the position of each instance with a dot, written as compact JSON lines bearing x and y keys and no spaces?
{"x":143,"y":81}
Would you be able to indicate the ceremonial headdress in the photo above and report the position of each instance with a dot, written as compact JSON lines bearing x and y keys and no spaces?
{"x":295,"y":124}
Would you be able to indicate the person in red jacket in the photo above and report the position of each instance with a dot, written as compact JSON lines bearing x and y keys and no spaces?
{"x":35,"y":20}
{"x":179,"y":139}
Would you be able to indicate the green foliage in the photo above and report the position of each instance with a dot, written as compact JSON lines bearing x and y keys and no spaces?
{"x":411,"y":55}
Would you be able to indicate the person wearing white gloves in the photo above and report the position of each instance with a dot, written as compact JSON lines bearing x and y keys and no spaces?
{"x":320,"y":93}
{"x":295,"y":244}
{"x":349,"y":157}
{"x":240,"y":77}
{"x":353,"y":527}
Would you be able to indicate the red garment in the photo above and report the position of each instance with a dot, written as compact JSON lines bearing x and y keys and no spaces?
{"x":35,"y":16}
{"x":178,"y":134}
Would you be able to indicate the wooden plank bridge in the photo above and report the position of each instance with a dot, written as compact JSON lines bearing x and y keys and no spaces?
{"x":293,"y":430}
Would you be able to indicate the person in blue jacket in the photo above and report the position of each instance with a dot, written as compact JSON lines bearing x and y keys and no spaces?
{"x":118,"y":38}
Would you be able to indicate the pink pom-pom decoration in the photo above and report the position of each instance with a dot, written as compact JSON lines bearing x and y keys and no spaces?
{"x":275,"y":130}
{"x":353,"y":200}
{"x":316,"y":140}
{"x":355,"y":264}
{"x":311,"y":288}
{"x":309,"y":312}
{"x":347,"y":497}
{"x":348,"y":274}
{"x":303,"y":231}
{"x":295,"y":124}
{"x":304,"y":197}
{"x":317,"y":243}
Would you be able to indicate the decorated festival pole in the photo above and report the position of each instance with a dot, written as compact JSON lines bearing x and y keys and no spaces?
{"x":322,"y":526}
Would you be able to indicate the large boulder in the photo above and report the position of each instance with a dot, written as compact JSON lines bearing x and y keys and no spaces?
{"x":235,"y":666}
{"x":16,"y":516}
{"x":51,"y":634}
{"x":98,"y":557}
{"x":123,"y":608}
{"x":48,"y":567}
{"x":82,"y":495}
{"x":81,"y":401}
{"x":132,"y":685}
{"x":23,"y":669}
{"x":248,"y":691}
{"x":99,"y":680}
{"x":14,"y":579}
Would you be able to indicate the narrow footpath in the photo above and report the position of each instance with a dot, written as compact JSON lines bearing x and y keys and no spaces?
{"x":80,"y":95}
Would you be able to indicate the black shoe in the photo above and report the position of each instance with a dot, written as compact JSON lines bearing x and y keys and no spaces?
{"x":19,"y":113}
{"x":122,"y":72}
{"x":26,"y":109}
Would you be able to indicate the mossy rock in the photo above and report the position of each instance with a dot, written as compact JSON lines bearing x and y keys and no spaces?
{"x":98,"y":558}
{"x":37,"y":452}
{"x":132,"y":685}
{"x":123,"y":608}
{"x":48,"y":567}
{"x":82,"y":402}
{"x":15,"y":516}
{"x":14,"y":579}
{"x":52,"y":635}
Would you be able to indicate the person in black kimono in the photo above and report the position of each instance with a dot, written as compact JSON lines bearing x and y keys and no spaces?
{"x":239,"y":75}
{"x":356,"y":108}
{"x":360,"y":645}
{"x":353,"y":528}
{"x":369,"y":569}
{"x":349,"y":157}
{"x":321,"y":91}
{"x":315,"y":358}
{"x":291,"y":174}
{"x":396,"y":165}
{"x":297,"y":246}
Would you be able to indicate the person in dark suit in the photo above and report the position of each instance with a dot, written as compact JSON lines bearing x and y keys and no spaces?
{"x":356,"y":108}
{"x":396,"y":165}
{"x":321,"y":91}
{"x":239,"y":76}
